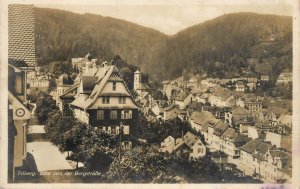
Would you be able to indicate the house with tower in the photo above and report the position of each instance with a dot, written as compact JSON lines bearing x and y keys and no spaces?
{"x":103,"y":101}
{"x":139,"y":85}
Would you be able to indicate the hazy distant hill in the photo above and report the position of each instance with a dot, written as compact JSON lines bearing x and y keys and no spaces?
{"x":219,"y":45}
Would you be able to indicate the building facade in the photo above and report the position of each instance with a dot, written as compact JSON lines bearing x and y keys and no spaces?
{"x":103,"y":101}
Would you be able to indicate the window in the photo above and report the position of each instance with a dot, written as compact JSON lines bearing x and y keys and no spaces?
{"x":122,"y":100}
{"x":126,"y":130}
{"x":117,"y":130}
{"x":126,"y":114}
{"x":105,"y":100}
{"x":113,"y":114}
{"x":113,"y":130}
{"x":114,"y":86}
{"x":126,"y":145}
{"x":100,"y":114}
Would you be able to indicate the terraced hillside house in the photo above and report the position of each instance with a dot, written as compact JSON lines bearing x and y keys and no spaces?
{"x":103,"y":101}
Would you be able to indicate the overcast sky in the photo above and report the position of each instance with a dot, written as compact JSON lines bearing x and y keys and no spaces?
{"x":171,"y":17}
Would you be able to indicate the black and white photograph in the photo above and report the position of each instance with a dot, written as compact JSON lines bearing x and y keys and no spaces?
{"x":150,"y":92}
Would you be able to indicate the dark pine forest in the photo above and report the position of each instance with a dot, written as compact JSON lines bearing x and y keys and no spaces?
{"x":217,"y":47}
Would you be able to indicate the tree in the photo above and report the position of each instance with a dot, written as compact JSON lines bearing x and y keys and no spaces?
{"x":96,"y":150}
{"x":141,"y":165}
{"x":44,"y":106}
{"x":72,"y":138}
{"x":156,"y":132}
{"x":56,"y":126}
{"x":36,"y":94}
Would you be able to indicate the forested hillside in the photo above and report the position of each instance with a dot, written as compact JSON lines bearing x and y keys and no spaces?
{"x":225,"y":43}
{"x":217,"y":46}
{"x":62,"y":35}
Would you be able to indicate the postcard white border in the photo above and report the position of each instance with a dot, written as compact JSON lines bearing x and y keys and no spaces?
{"x":4,"y":94}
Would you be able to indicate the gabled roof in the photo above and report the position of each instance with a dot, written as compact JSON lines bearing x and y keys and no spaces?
{"x":241,"y":138}
{"x":203,"y":117}
{"x":171,"y":114}
{"x":263,"y":147}
{"x":229,"y":134}
{"x":88,"y":83}
{"x":223,"y":93}
{"x":258,"y":147}
{"x":220,"y":128}
{"x":178,"y":142}
{"x":96,"y":81}
{"x":67,"y":93}
{"x":18,"y":106}
{"x":168,"y":140}
{"x":21,"y":36}
{"x":250,"y":146}
{"x":190,"y":139}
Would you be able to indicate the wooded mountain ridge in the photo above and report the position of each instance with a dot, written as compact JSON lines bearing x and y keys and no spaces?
{"x":217,"y":47}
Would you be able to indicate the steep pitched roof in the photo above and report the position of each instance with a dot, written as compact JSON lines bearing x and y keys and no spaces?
{"x":88,"y":83}
{"x":97,"y":80}
{"x":17,"y":104}
{"x":229,"y":134}
{"x":250,"y":146}
{"x":190,"y":139}
{"x":178,"y":142}
{"x":263,"y":147}
{"x":21,"y":36}
{"x":220,"y":128}
{"x":67,"y":93}
{"x":257,"y":147}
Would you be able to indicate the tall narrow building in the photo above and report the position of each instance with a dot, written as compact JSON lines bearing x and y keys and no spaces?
{"x":137,"y":80}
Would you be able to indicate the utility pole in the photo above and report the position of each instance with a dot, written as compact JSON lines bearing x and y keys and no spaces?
{"x":120,"y":140}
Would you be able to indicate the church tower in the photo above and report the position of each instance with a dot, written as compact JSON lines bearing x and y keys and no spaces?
{"x":137,"y":80}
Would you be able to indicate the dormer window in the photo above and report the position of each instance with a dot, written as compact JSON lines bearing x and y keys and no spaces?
{"x":114,"y":86}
